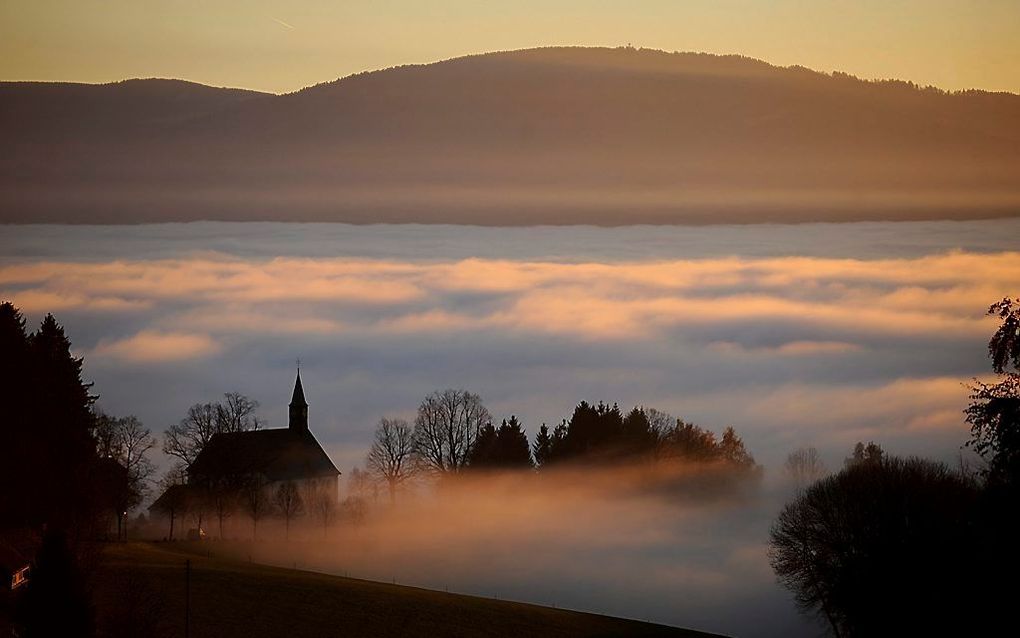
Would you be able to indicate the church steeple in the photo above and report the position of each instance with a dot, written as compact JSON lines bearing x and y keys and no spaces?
{"x":298,"y":407}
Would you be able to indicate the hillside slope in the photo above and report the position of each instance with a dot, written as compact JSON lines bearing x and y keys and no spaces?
{"x":141,"y":590}
{"x":558,"y":135}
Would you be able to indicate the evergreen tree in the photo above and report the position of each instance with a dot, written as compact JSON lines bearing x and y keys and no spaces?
{"x":543,"y":446}
{"x":512,"y":449}
{"x":16,"y":433}
{"x":62,"y":425}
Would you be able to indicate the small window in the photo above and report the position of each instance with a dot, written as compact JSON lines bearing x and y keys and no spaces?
{"x":19,"y":578}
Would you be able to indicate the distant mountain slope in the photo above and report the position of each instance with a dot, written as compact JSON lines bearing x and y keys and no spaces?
{"x":557,"y":135}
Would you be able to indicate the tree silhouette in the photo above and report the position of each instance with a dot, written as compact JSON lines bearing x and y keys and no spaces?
{"x":994,"y":411}
{"x":126,"y":441}
{"x":392,"y":458}
{"x":288,"y":503}
{"x":256,"y":503}
{"x":542,"y":446}
{"x":446,"y":428}
{"x":48,"y":422}
{"x":880,"y":548}
{"x":804,"y":466}
{"x":186,"y":439}
{"x":869,"y":454}
{"x":505,"y":447}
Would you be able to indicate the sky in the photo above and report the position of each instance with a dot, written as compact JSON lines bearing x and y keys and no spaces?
{"x":283,"y":46}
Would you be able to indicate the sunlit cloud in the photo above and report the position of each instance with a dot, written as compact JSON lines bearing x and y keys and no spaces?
{"x":790,"y":350}
{"x":150,"y":346}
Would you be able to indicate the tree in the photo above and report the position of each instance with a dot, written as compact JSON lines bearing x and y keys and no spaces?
{"x":804,"y":466}
{"x":322,"y":503}
{"x":446,"y":428}
{"x":1004,"y":346}
{"x":126,"y":441}
{"x":255,"y":502}
{"x":505,"y":447}
{"x":176,"y":497}
{"x":880,"y":548}
{"x":994,"y":411}
{"x":186,"y":439}
{"x":637,"y":434}
{"x":288,"y":503}
{"x":60,"y":430}
{"x":870,"y":454}
{"x":391,"y":458}
{"x":543,"y":445}
{"x":688,"y":442}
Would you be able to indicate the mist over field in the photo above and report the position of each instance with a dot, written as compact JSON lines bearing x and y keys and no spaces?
{"x":596,"y":539}
{"x":804,"y":335}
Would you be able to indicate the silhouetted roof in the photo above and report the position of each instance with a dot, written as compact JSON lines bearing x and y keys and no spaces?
{"x":175,"y":497}
{"x":299,"y":393}
{"x":278,"y":454}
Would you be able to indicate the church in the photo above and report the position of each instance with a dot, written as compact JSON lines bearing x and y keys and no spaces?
{"x":266,"y":458}
{"x":273,"y":456}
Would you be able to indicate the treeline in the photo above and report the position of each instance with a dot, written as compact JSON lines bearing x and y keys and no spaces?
{"x":67,"y":472}
{"x":454,"y":433}
{"x":893,"y":546}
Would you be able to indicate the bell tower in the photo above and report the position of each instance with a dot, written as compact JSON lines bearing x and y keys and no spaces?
{"x":298,"y":407}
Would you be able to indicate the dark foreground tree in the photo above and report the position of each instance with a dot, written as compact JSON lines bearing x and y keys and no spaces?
{"x":881,"y":548}
{"x":994,"y":411}
{"x":57,"y":601}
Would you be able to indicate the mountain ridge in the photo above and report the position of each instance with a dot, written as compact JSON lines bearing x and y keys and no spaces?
{"x":554,"y":135}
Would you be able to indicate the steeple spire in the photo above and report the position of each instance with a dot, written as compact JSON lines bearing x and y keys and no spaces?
{"x":298,"y":407}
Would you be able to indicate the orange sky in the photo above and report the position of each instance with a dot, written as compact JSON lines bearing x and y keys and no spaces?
{"x":282,"y":46}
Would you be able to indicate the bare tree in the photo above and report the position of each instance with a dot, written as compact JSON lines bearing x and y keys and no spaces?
{"x":447,"y":427}
{"x":322,"y":503}
{"x":175,"y":499}
{"x":659,"y":422}
{"x":221,"y":495}
{"x":186,"y":439}
{"x":288,"y":502}
{"x":255,"y":503}
{"x":127,"y":441}
{"x":391,"y":458}
{"x":804,"y":466}
{"x":237,"y":413}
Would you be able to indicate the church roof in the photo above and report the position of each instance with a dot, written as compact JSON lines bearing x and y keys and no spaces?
{"x":278,"y":454}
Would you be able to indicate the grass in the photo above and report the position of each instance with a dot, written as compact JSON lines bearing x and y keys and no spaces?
{"x":141,"y":591}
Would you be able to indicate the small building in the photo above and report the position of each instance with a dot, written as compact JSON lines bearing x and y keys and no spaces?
{"x":271,"y":456}
{"x":237,"y":461}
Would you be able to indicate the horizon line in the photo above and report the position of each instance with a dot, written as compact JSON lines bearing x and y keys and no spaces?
{"x":830,"y":73}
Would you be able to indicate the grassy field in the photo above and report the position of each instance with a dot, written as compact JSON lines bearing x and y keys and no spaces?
{"x":141,"y":592}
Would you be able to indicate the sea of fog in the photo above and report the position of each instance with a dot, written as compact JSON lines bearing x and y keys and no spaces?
{"x":804,"y":335}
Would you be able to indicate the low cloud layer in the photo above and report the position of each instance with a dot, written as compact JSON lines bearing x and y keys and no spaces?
{"x":788,"y":348}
